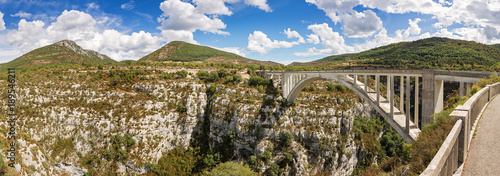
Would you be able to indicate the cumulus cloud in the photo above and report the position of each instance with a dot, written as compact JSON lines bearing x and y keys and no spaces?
{"x":235,"y":50}
{"x":355,"y":24}
{"x":294,"y":34}
{"x":22,"y":14}
{"x":128,"y":6}
{"x":261,"y":4}
{"x":259,"y":42}
{"x":183,"y":16}
{"x":81,"y":28}
{"x":179,"y":18}
{"x":2,"y":23}
{"x":361,"y":24}
{"x":332,"y":41}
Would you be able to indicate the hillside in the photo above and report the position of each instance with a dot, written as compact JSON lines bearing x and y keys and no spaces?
{"x":430,"y":53}
{"x":178,"y":51}
{"x":62,"y":52}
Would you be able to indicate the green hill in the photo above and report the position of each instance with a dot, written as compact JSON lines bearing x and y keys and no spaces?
{"x":430,"y":53}
{"x":177,"y":51}
{"x":63,"y":52}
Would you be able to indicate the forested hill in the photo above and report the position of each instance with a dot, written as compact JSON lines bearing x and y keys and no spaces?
{"x":430,"y":53}
{"x":60,"y":53}
{"x":187,"y":52}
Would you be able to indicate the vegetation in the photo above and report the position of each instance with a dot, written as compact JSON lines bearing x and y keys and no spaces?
{"x":177,"y":161}
{"x":430,"y":53}
{"x":187,"y":52}
{"x":232,"y":169}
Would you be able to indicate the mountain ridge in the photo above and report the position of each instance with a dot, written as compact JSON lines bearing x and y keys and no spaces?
{"x":429,"y":53}
{"x":62,"y":52}
{"x":178,"y":51}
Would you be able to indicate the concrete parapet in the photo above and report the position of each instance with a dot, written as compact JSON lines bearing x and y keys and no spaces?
{"x":445,"y":162}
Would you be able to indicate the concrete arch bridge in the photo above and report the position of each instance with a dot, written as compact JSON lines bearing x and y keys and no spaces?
{"x":432,"y":91}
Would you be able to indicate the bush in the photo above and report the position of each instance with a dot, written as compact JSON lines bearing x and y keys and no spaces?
{"x":211,"y":90}
{"x":237,"y":78}
{"x":222,"y":73}
{"x":266,"y":156}
{"x":257,"y":80}
{"x":202,"y":74}
{"x":232,"y":169}
{"x":178,"y":161}
{"x":273,"y":170}
{"x":286,"y":139}
{"x":115,"y":80}
{"x":182,"y":73}
{"x":213,"y":77}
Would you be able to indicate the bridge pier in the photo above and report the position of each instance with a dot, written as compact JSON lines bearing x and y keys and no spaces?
{"x":377,"y":85}
{"x":417,"y":102}
{"x":390,"y":95}
{"x":401,"y":94}
{"x":432,"y":96}
{"x":408,"y":112}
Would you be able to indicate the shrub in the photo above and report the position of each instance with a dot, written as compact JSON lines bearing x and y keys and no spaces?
{"x":222,"y":73}
{"x":232,"y":169}
{"x":115,"y":80}
{"x":182,"y":73}
{"x":177,"y":161}
{"x":237,"y":78}
{"x":211,"y":90}
{"x":257,"y":80}
{"x":273,"y":170}
{"x":266,"y":156}
{"x":213,"y":77}
{"x":286,"y":139}
{"x":202,"y":74}
{"x":229,"y":79}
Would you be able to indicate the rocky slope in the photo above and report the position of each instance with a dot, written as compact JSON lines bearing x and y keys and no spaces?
{"x":76,"y":122}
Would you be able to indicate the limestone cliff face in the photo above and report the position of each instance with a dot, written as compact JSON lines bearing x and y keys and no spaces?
{"x":70,"y":123}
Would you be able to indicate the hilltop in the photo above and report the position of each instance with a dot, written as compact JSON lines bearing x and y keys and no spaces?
{"x":430,"y":53}
{"x":178,"y":51}
{"x":62,"y":52}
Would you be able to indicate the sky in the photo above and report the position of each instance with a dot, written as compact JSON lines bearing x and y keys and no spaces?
{"x":283,"y":31}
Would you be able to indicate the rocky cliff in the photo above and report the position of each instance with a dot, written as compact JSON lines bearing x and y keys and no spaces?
{"x":78,"y":121}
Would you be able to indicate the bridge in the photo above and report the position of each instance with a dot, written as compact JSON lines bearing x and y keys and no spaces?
{"x":432,"y":91}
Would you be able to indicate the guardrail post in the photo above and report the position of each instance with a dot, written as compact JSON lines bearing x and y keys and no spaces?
{"x":461,"y":113}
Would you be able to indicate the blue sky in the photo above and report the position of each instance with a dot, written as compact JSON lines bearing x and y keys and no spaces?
{"x":284,"y":31}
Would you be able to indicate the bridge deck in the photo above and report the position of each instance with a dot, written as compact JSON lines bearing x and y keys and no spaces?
{"x":484,"y":153}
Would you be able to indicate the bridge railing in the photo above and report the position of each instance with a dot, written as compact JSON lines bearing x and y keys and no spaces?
{"x":453,"y":152}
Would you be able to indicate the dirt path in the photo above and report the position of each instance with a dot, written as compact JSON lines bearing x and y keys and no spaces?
{"x":484,"y":152}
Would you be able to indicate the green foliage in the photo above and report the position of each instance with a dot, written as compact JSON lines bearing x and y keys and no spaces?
{"x":232,"y":169}
{"x":115,"y":80}
{"x":222,"y":73}
{"x":266,"y":156}
{"x":286,"y":139}
{"x":63,"y":147}
{"x":335,"y":87}
{"x":116,"y":151}
{"x":186,"y":52}
{"x":213,"y":77}
{"x":181,"y":108}
{"x":273,"y":170}
{"x":202,"y":74}
{"x":257,"y":80}
{"x":182,"y":73}
{"x":287,"y":159}
{"x":177,"y":161}
{"x":431,"y":53}
{"x":211,"y":90}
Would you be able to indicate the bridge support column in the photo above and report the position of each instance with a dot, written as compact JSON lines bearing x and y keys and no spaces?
{"x":432,"y":96}
{"x":408,"y":114}
{"x":377,"y":85}
{"x":463,"y":136}
{"x":468,"y":85}
{"x":391,"y":95}
{"x":461,"y":93}
{"x":417,"y":102}
{"x":401,"y":94}
{"x":366,"y":83}
{"x":355,"y":80}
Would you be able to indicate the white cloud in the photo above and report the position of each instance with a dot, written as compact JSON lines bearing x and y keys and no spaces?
{"x":261,"y":4}
{"x":214,"y":6}
{"x":22,"y":14}
{"x":294,"y":34}
{"x":259,"y":42}
{"x":355,"y":24}
{"x":361,"y":24}
{"x":128,"y":6}
{"x":313,"y":39}
{"x":81,"y":28}
{"x":92,"y":6}
{"x":179,"y":35}
{"x":332,"y":41}
{"x":183,"y":16}
{"x":235,"y":50}
{"x":2,"y":23}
